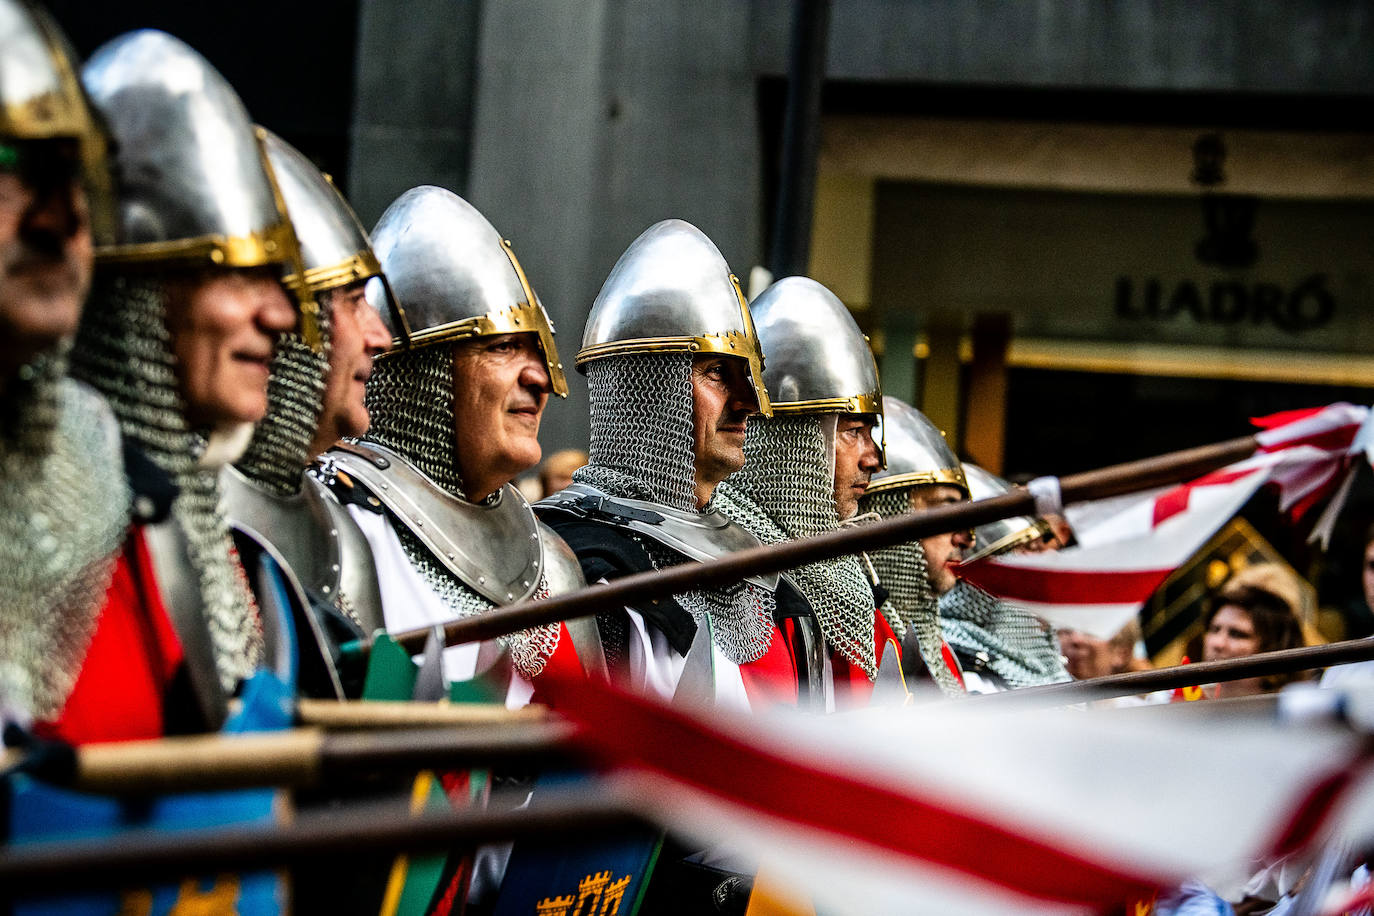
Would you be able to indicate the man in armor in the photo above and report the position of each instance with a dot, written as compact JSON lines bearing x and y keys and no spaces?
{"x":455,"y":407}
{"x":806,"y":465}
{"x":922,"y":472}
{"x":1000,"y":646}
{"x":187,"y":306}
{"x":674,"y":371}
{"x":316,"y":396}
{"x":66,"y":504}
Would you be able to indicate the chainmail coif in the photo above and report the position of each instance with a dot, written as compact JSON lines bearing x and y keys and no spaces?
{"x":280,"y":448}
{"x":642,"y":448}
{"x":911,"y":601}
{"x":786,"y":491}
{"x":62,"y":521}
{"x":123,"y":350}
{"x":410,"y":400}
{"x":1020,"y":649}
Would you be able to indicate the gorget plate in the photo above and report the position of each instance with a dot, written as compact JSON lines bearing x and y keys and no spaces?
{"x":493,"y":548}
{"x":698,"y":535}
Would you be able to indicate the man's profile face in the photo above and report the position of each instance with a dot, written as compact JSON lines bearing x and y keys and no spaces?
{"x":856,"y":458}
{"x":224,"y":324}
{"x":46,"y":251}
{"x":357,"y":337}
{"x":500,"y":387}
{"x":722,"y":400}
{"x":943,"y":551}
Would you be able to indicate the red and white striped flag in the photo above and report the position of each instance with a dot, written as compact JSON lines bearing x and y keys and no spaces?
{"x":1128,"y":545}
{"x":952,"y":809}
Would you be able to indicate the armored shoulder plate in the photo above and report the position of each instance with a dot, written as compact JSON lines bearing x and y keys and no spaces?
{"x":698,"y":535}
{"x":562,"y":572}
{"x":357,"y":567}
{"x":493,"y":548}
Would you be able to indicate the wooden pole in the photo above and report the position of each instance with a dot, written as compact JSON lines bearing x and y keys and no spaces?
{"x":1113,"y":481}
{"x":298,"y":757}
{"x":49,"y":869}
{"x":1284,"y":661}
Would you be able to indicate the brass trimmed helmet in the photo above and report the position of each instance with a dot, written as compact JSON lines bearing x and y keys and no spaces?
{"x":1004,"y":534}
{"x":42,"y":99}
{"x":672,"y":292}
{"x":917,"y":453}
{"x":195,"y":185}
{"x":334,"y":247}
{"x":818,"y":361}
{"x":457,"y":277}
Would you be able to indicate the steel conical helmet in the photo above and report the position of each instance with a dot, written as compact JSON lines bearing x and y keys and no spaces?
{"x":455,"y":277}
{"x":818,"y":361}
{"x":41,"y":99}
{"x":335,"y":250}
{"x":1003,"y":534}
{"x":917,"y":453}
{"x":672,"y":292}
{"x":194,"y":183}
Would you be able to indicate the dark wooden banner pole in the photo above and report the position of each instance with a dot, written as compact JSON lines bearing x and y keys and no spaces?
{"x":1100,"y":484}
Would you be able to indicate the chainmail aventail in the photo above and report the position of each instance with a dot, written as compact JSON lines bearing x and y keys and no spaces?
{"x":911,"y":599}
{"x":62,"y":521}
{"x":280,"y":448}
{"x":786,"y":491}
{"x":123,"y":350}
{"x":642,"y":448}
{"x":1020,"y":649}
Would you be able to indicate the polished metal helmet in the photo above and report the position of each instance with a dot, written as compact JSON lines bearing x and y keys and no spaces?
{"x":818,"y":359}
{"x":1003,"y":534}
{"x":917,"y":453}
{"x":457,"y":277}
{"x":672,"y":292}
{"x":195,"y":186}
{"x":41,"y":98}
{"x":334,"y":247}
{"x":335,"y":250}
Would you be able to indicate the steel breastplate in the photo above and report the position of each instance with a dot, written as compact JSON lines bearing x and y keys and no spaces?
{"x":299,"y":528}
{"x":697,"y":535}
{"x":494,"y":549}
{"x":357,"y":577}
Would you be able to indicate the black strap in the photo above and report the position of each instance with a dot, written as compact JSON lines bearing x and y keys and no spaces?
{"x":608,"y":552}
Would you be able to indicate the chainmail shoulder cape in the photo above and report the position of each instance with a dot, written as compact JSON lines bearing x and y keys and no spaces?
{"x":64,"y":516}
{"x":410,"y":399}
{"x":642,"y":448}
{"x":1019,"y":648}
{"x":123,"y":350}
{"x":786,"y":491}
{"x":911,"y":601}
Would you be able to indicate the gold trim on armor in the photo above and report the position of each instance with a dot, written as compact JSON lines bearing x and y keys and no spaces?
{"x":552,"y":363}
{"x":951,"y":476}
{"x":360,"y":266}
{"x":270,"y":246}
{"x":1032,"y":532}
{"x":518,"y":319}
{"x":872,"y":402}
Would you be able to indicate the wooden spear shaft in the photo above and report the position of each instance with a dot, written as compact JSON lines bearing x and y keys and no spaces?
{"x":1262,"y":664}
{"x":299,"y":757}
{"x":1100,"y":484}
{"x":47,"y":869}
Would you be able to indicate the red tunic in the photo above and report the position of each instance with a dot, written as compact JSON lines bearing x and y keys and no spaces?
{"x":771,"y":679}
{"x":130,"y":664}
{"x":852,"y":685}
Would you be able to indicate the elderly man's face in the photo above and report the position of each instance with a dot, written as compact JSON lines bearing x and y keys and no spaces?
{"x":943,"y":552}
{"x":722,"y":400}
{"x":500,"y":387}
{"x":46,"y":250}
